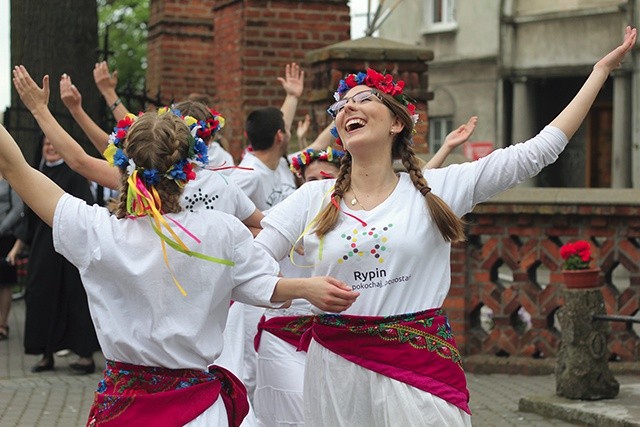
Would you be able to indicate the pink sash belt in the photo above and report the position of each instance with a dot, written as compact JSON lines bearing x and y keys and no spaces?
{"x":142,"y":395}
{"x":287,"y":328}
{"x":417,"y":349}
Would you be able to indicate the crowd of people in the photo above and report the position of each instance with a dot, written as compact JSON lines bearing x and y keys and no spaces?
{"x":224,"y":294}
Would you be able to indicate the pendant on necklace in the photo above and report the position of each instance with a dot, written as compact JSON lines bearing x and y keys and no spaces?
{"x":354,"y":201}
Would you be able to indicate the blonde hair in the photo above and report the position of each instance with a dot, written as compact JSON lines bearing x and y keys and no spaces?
{"x":156,"y":142}
{"x":451,"y":227}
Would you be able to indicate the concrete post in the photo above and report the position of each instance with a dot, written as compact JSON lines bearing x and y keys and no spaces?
{"x":583,"y":371}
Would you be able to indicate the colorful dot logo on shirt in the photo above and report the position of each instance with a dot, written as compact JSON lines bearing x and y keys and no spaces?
{"x":206,"y":200}
{"x":360,"y":244}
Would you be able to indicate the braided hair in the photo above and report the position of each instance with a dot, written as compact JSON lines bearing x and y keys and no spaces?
{"x":156,"y":142}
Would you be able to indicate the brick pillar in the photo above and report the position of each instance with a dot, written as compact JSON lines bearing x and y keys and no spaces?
{"x":405,"y":62}
{"x":180,"y":49}
{"x":254,"y":40}
{"x":234,"y":50}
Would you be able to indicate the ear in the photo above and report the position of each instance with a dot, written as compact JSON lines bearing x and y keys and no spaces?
{"x":279,"y":136}
{"x":396,"y":126}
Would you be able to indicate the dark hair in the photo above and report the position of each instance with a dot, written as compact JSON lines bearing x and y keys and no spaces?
{"x":262,"y":126}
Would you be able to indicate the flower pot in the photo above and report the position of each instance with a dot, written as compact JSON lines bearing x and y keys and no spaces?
{"x":582,"y":279}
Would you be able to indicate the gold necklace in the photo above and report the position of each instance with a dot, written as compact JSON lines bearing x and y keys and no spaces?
{"x":355,"y":196}
{"x":355,"y":199}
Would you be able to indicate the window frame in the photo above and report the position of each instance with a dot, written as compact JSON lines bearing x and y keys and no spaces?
{"x":448,"y":22}
{"x":436,"y":125}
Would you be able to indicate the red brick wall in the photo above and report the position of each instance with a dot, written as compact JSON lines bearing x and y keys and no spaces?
{"x":258,"y":39}
{"x":526,"y":236}
{"x":236,"y":49}
{"x":180,"y":59}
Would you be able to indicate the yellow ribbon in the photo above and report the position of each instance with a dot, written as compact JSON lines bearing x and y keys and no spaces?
{"x":142,"y":202}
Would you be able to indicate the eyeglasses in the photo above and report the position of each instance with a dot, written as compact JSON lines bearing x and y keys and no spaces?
{"x":358,"y":98}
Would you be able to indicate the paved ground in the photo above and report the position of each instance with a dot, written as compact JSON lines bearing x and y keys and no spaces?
{"x":62,"y":398}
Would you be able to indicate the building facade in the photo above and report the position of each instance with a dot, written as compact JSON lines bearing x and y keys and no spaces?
{"x":516,"y":63}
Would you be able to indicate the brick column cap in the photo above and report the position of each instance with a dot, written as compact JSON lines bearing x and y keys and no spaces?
{"x":370,"y":49}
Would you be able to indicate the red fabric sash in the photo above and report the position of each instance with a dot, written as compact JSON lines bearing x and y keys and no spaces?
{"x":417,"y":349}
{"x":142,"y":395}
{"x":287,"y":328}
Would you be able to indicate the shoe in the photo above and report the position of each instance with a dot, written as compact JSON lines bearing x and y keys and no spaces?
{"x":82,"y":368}
{"x":4,"y":332}
{"x":42,"y":366}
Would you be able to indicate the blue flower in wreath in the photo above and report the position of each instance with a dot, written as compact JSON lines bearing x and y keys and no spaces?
{"x":151,"y":176}
{"x":177,"y":172}
{"x":201,"y":151}
{"x":120,"y":159}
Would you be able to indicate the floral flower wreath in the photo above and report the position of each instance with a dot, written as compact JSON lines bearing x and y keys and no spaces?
{"x":181,"y":172}
{"x":382,"y":82}
{"x":308,"y":156}
{"x":210,"y":126}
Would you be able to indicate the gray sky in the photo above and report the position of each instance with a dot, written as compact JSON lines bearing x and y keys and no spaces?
{"x":358,"y":22}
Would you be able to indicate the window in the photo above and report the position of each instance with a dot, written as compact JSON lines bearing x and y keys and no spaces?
{"x":439,"y":128}
{"x":439,"y":15}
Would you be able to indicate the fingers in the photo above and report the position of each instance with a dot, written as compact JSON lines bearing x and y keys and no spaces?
{"x":23,"y":81}
{"x":45,"y":85}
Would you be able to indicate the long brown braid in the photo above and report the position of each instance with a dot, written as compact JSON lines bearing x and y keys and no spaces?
{"x":451,"y":227}
{"x":156,"y":142}
{"x":328,"y":217}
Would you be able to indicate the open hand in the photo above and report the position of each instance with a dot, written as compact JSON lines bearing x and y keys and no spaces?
{"x":301,"y":131}
{"x":462,"y":134}
{"x":293,"y":82}
{"x":105,"y":80}
{"x":69,"y":94}
{"x":33,"y":96}
{"x":614,"y":58}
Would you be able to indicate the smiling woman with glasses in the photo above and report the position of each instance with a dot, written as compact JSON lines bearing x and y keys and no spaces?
{"x":388,"y":235}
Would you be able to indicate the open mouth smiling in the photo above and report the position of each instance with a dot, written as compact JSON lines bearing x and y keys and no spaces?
{"x":354,"y":124}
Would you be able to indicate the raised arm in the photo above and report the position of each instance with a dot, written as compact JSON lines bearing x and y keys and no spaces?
{"x":36,"y":190}
{"x":107,"y":83}
{"x":454,"y":139}
{"x":36,"y":99}
{"x":293,"y":84}
{"x":301,"y":131}
{"x":72,"y":99}
{"x":569,"y":120}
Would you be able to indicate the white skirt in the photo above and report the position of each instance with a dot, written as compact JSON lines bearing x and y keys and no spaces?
{"x":279,"y":383}
{"x":338,"y":392}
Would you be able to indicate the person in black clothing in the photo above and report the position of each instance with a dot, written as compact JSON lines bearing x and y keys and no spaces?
{"x":57,"y":313}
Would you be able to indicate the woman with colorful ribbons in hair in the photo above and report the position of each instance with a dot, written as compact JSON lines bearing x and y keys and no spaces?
{"x":159,"y":278}
{"x":390,"y":359}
